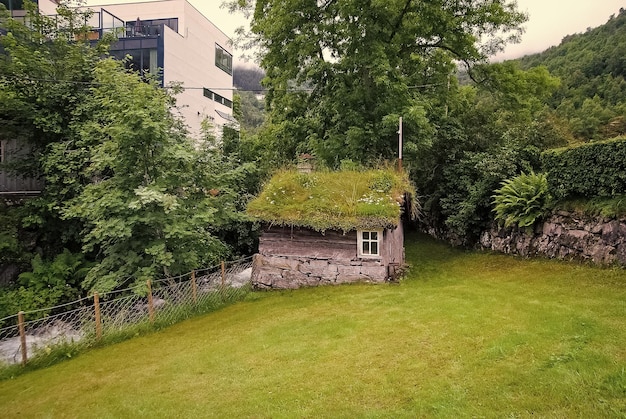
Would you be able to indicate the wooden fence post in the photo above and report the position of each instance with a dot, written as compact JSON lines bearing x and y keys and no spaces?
{"x":223,"y":283}
{"x":96,"y":307}
{"x":223,"y":274}
{"x":20,"y":323}
{"x":194,"y":287}
{"x":150,"y":302}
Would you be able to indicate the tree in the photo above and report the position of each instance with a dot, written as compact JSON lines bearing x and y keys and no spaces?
{"x":124,"y":182}
{"x":339,"y":73}
{"x":592,"y":69}
{"x":154,"y":204}
{"x":46,"y":70}
{"x":493,"y":131}
{"x":252,"y":111}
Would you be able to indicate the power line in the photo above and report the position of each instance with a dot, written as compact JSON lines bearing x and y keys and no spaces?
{"x":92,"y":83}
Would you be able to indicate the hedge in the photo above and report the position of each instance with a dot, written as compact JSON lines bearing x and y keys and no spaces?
{"x":589,"y":170}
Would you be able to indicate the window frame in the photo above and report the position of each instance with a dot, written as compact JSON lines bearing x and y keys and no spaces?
{"x":228,"y":67}
{"x":361,"y":240}
{"x":217,"y":98}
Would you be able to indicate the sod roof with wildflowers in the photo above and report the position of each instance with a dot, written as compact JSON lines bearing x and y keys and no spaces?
{"x":342,"y":200}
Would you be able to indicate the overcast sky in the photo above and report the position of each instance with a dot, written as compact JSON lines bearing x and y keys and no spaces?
{"x":549,"y":20}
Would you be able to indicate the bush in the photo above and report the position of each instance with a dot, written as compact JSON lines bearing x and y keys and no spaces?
{"x":614,"y":207}
{"x":49,"y":284}
{"x":15,"y":243}
{"x":589,"y":170}
{"x":522,"y":200}
{"x":466,"y":189}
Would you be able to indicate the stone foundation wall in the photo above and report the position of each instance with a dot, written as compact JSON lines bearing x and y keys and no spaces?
{"x":564,"y":235}
{"x":282,"y":272}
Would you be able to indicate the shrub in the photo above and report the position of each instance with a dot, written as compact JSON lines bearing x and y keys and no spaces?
{"x":50,"y":283}
{"x":613,"y":207}
{"x":588,"y":170}
{"x":466,"y":187}
{"x":522,"y":200}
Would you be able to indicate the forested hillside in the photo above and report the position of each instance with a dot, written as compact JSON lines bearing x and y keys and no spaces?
{"x":592,"y":68}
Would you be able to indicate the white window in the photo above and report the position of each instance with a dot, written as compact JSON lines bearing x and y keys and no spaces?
{"x":369,"y":242}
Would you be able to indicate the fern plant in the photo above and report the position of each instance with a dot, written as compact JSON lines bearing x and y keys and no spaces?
{"x":54,"y":282}
{"x":522,"y":200}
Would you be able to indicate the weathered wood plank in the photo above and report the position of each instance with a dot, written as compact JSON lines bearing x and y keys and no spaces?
{"x":308,"y":250}
{"x":308,"y":243}
{"x":301,"y":232}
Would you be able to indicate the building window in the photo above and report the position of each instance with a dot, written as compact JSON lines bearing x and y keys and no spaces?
{"x":2,"y":148}
{"x":152,"y":27}
{"x":369,"y":242}
{"x":143,"y":60}
{"x":223,"y":59}
{"x":13,"y":4}
{"x":218,"y":98}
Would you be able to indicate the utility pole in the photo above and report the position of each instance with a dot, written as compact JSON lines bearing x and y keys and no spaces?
{"x":400,"y":145}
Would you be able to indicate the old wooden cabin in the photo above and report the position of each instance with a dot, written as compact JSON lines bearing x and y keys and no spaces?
{"x":330,"y":228}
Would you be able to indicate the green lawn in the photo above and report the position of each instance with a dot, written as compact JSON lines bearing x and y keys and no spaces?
{"x":464,"y":335}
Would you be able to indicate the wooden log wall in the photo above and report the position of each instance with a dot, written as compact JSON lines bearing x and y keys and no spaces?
{"x":302,"y":242}
{"x":298,"y":257}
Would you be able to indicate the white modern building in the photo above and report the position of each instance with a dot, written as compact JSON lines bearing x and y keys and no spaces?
{"x":169,"y":38}
{"x":173,"y":39}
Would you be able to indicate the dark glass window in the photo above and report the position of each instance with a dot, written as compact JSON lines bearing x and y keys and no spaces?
{"x":143,"y":60}
{"x":223,"y":59}
{"x":13,"y":4}
{"x":152,"y":27}
{"x":218,"y":98}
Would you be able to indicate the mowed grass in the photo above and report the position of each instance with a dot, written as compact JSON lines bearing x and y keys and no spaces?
{"x":464,"y":335}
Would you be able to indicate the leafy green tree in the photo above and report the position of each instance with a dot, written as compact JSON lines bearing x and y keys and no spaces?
{"x":592,"y":70}
{"x":153,"y":201}
{"x":124,"y":183}
{"x":592,"y":117}
{"x":233,"y":180}
{"x":45,"y":74}
{"x":252,"y":111}
{"x":493,"y":131}
{"x":15,"y":252}
{"x":340,"y":73}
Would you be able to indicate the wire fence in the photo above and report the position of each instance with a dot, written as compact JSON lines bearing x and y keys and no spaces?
{"x":89,"y":320}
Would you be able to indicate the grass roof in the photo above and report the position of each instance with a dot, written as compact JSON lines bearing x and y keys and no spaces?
{"x":344,"y":200}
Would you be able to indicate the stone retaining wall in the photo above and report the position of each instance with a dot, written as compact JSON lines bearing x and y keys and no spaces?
{"x":564,"y":235}
{"x":280,"y":272}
